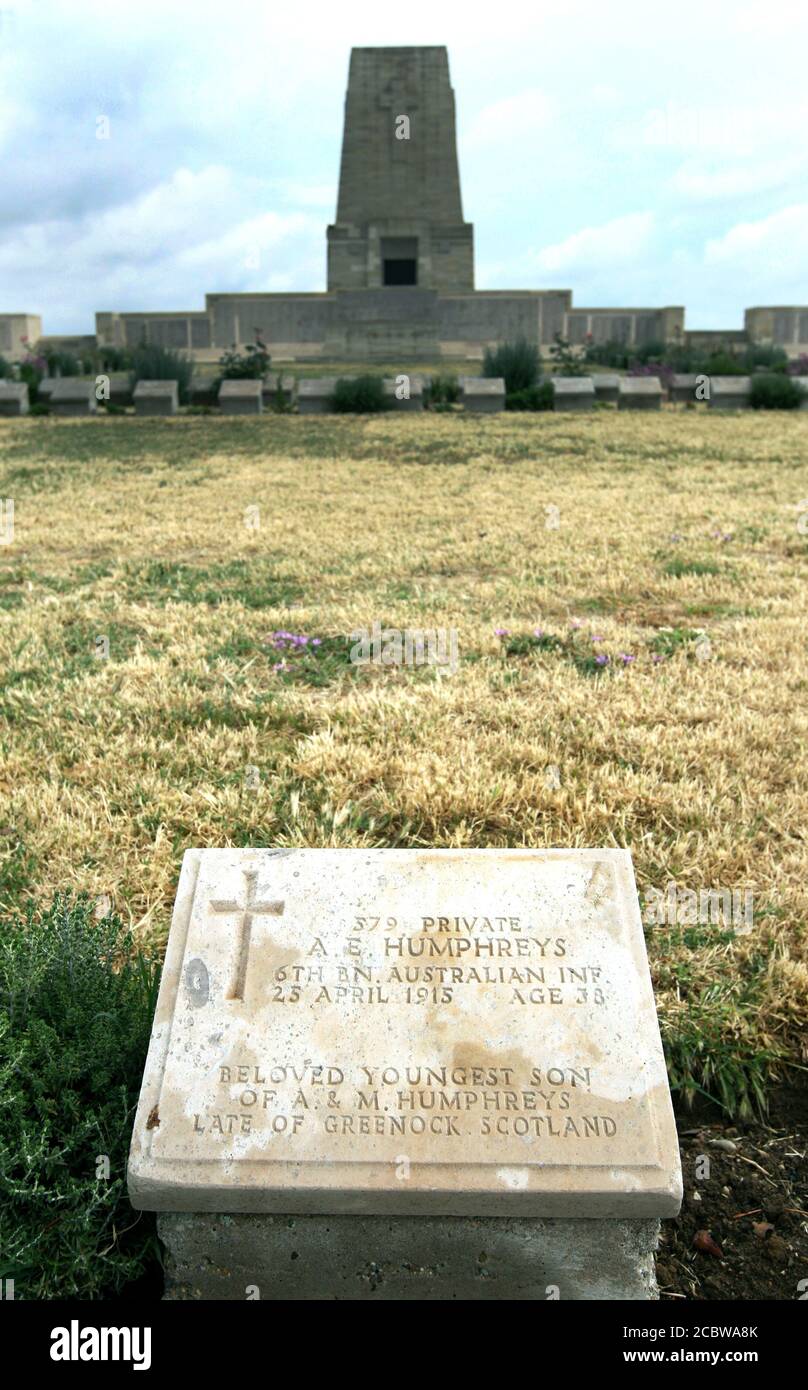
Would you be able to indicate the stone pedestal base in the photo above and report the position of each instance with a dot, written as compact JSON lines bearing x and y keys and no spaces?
{"x":213,"y":1256}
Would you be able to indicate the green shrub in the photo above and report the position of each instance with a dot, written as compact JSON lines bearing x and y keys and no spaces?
{"x":775,"y":391}
{"x":443,"y":389}
{"x":610,"y":354}
{"x":31,"y":373}
{"x":76,"y":1004}
{"x":764,"y":355}
{"x":150,"y":362}
{"x":279,"y":400}
{"x":723,"y":363}
{"x":111,"y":359}
{"x":359,"y":395}
{"x":63,"y":364}
{"x":539,"y":397}
{"x":517,"y":362}
{"x":39,"y":408}
{"x":5,"y":367}
{"x":253,"y":363}
{"x":566,"y":361}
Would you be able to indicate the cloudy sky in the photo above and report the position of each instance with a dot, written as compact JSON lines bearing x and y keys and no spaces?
{"x":635,"y":153}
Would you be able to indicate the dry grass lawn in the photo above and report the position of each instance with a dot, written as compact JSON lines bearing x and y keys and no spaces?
{"x":672,"y":527}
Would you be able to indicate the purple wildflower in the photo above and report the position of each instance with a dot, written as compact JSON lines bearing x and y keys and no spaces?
{"x":602,"y":659}
{"x":502,"y":632}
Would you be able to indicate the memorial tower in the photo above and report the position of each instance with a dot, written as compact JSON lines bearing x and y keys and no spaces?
{"x":399,"y":212}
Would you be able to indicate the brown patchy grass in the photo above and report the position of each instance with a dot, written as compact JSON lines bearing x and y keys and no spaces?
{"x":135,"y":530}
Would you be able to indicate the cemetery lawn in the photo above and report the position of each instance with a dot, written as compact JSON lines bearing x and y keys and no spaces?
{"x":677,"y":555}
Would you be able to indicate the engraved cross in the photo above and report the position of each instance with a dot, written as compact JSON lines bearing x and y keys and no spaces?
{"x":248,"y":909}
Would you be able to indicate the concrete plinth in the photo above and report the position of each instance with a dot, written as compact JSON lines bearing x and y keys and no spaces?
{"x":241,"y":396}
{"x":223,"y":1257}
{"x":13,"y":398}
{"x":730,"y":392}
{"x":482,"y":393}
{"x":573,"y":392}
{"x":73,"y":396}
{"x":314,"y":394}
{"x":640,"y":393}
{"x":156,"y":397}
{"x":682,"y":390}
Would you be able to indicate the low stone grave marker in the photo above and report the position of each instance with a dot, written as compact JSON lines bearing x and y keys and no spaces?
{"x":314,"y":394}
{"x":640,"y":393}
{"x":607,"y":386}
{"x":573,"y":393}
{"x":729,"y":392}
{"x":13,"y":397}
{"x":683,"y":387}
{"x":401,"y":1058}
{"x":156,"y":397}
{"x":803,"y":382}
{"x":73,"y":395}
{"x":241,"y":396}
{"x":482,"y":393}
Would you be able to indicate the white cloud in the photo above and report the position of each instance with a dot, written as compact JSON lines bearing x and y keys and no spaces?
{"x":701,"y":184}
{"x":164,"y":248}
{"x":773,"y":244}
{"x":616,"y":243}
{"x":523,"y":116}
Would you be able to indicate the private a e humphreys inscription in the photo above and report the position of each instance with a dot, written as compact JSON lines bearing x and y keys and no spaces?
{"x":449,"y":1032}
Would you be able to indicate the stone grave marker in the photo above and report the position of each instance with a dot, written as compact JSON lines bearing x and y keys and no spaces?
{"x":73,"y":395}
{"x":729,"y":392}
{"x":803,"y":382}
{"x":482,"y":393}
{"x":683,"y":387}
{"x":156,"y":397}
{"x":573,"y":393}
{"x":314,"y":394}
{"x":640,"y":393}
{"x":13,"y":397}
{"x":359,"y":1041}
{"x":241,"y":396}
